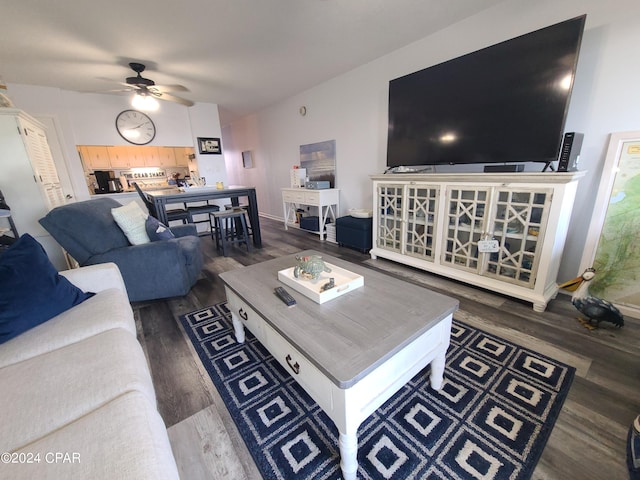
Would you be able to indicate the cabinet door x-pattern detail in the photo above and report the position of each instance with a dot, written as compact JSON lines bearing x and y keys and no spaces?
{"x":390,"y":201}
{"x":465,"y":227}
{"x":519,"y":224}
{"x":422,"y":207}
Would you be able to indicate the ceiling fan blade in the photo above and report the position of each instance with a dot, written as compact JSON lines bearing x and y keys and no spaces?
{"x":130,"y":87}
{"x":170,"y":88}
{"x":173,"y":98}
{"x":124,"y":89}
{"x":117,"y":90}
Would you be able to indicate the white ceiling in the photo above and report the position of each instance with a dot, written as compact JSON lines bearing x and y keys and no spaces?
{"x":241,"y":54}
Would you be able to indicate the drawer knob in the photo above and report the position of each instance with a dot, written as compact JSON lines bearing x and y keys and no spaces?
{"x":293,"y":366}
{"x":244,"y":315}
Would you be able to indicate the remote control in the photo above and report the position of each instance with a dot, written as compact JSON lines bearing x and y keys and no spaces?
{"x":285,"y":296}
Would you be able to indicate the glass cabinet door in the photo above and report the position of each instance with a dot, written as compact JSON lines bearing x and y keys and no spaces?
{"x":422,"y":207}
{"x":390,"y":202}
{"x":518,"y":226}
{"x":465,"y":226}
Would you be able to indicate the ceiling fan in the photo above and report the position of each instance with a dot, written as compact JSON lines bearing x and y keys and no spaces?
{"x":147,"y":88}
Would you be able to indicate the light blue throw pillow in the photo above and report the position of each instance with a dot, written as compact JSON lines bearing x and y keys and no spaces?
{"x":157,"y":230}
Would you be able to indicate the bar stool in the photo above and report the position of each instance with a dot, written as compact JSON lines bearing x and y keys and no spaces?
{"x":207,"y":210}
{"x":246,"y":208}
{"x":231,"y":229}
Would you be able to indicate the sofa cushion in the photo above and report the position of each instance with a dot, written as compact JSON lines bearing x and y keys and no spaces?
{"x":132,"y":221}
{"x":31,"y":291}
{"x":47,"y":392}
{"x":157,"y":269}
{"x":157,"y":230}
{"x":107,"y":310}
{"x":96,"y":278}
{"x":186,"y":230}
{"x":124,"y":439}
{"x":85,"y":228}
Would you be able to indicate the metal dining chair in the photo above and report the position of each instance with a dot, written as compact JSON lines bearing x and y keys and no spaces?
{"x":181,"y":214}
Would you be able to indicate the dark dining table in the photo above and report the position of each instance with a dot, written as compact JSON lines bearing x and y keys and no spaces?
{"x":162,"y":198}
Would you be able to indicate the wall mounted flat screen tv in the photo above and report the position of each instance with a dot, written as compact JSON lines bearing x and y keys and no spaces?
{"x":505,"y":103}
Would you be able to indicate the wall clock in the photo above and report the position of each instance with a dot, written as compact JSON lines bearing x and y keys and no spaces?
{"x":135,"y":127}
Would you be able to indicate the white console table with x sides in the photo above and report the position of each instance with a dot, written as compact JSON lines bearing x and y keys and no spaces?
{"x":327,"y":201}
{"x":352,"y":353}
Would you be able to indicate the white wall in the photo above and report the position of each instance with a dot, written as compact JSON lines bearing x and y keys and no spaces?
{"x":205,"y":122}
{"x":352,"y":108}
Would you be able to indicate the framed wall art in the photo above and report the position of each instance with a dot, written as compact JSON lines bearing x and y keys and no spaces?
{"x":612,"y":240}
{"x":247,"y":159}
{"x":209,"y":146}
{"x":319,"y":159}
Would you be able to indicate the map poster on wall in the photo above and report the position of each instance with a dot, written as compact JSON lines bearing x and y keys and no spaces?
{"x":617,"y":260}
{"x":320,"y":161}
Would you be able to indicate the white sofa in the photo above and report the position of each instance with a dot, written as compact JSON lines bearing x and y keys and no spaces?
{"x":76,"y":397}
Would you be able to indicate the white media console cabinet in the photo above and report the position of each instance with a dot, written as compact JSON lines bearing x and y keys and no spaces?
{"x":504,"y":232}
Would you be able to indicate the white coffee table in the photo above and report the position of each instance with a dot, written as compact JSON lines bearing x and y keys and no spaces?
{"x":350,"y":354}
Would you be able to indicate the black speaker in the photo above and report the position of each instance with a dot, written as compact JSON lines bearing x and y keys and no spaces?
{"x":570,"y":152}
{"x":510,"y":168}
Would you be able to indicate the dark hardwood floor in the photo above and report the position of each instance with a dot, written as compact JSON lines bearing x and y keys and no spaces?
{"x":587,"y":442}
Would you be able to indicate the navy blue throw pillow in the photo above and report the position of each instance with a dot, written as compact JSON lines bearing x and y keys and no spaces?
{"x":31,"y":291}
{"x":157,"y":230}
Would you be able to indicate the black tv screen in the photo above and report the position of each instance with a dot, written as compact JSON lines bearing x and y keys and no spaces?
{"x":504,"y":103}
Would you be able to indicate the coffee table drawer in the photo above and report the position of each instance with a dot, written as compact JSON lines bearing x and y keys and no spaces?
{"x":304,"y":372}
{"x":250,"y":319}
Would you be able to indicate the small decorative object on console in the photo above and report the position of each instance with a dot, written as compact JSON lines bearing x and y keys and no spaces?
{"x":317,"y":185}
{"x":310,"y":267}
{"x":329,"y":285}
{"x":298,"y":176}
{"x":361,"y":212}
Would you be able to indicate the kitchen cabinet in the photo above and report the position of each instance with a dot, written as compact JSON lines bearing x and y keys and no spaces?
{"x":119,"y":157}
{"x":95,"y":157}
{"x":124,"y":157}
{"x":166,"y":157}
{"x":29,"y":180}
{"x":150,"y":155}
{"x":141,"y":156}
{"x":502,"y":232}
{"x":182,"y":155}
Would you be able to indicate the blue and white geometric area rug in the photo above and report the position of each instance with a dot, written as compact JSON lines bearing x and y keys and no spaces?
{"x":491,"y":419}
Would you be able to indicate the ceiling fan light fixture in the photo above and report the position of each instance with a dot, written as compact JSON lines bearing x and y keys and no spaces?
{"x":145,"y":102}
